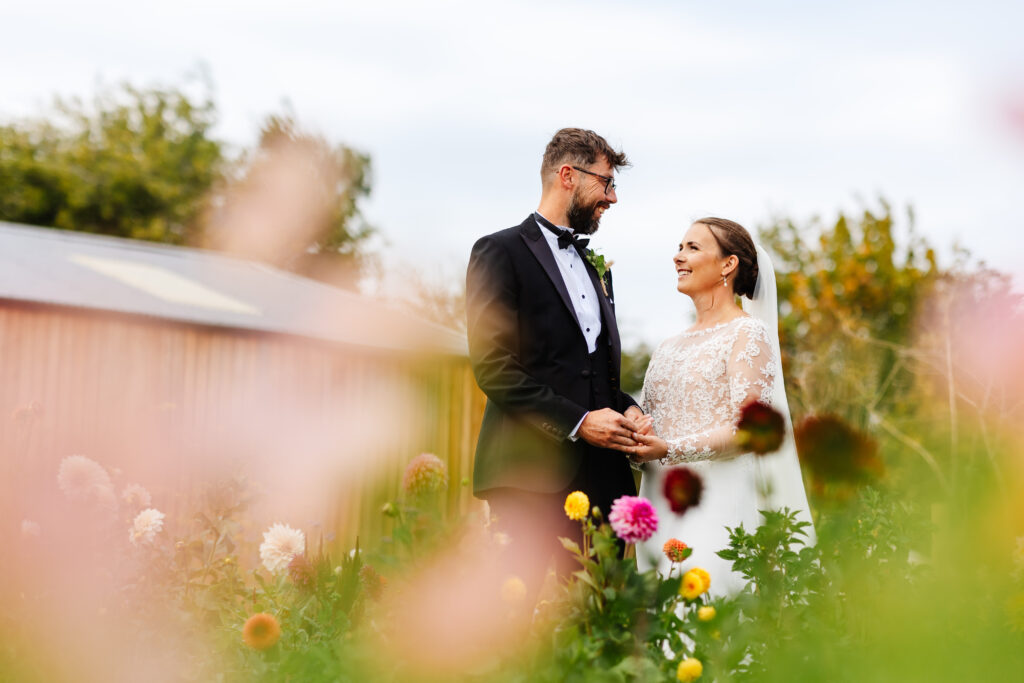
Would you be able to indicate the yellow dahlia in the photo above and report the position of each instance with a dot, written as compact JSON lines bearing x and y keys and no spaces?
{"x":261,"y":631}
{"x":706,"y":613}
{"x":693,"y":585}
{"x":703,"y":575}
{"x":576,"y":506}
{"x":689,"y":670}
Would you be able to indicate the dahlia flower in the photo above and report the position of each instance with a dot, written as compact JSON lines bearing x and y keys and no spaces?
{"x":633,"y":519}
{"x":682,"y":489}
{"x":426,"y":473}
{"x":675,"y":550}
{"x":146,"y":526}
{"x":835,"y":451}
{"x":281,"y":544}
{"x":82,"y":479}
{"x":689,"y":670}
{"x":373,"y":582}
{"x":706,"y":613}
{"x":261,"y":631}
{"x":576,"y":506}
{"x":693,"y":585}
{"x":760,"y":429}
{"x":301,"y":571}
{"x":136,"y":496}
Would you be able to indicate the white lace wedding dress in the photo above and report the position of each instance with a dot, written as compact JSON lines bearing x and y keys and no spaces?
{"x":695,"y":386}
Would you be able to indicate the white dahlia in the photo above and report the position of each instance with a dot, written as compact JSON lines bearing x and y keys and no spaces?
{"x":82,"y":479}
{"x":281,"y":544}
{"x":146,"y":526}
{"x":136,"y":496}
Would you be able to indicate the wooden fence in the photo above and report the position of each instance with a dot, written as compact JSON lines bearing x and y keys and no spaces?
{"x":141,"y":394}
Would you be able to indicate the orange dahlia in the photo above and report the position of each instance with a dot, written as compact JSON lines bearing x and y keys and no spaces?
{"x":261,"y":631}
{"x":675,"y":550}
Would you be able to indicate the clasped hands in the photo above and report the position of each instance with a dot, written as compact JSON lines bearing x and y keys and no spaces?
{"x":631,"y":433}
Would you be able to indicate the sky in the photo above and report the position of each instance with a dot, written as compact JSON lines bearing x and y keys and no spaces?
{"x":747,"y":110}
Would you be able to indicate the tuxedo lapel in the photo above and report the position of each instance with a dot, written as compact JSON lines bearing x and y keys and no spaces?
{"x":530,"y":232}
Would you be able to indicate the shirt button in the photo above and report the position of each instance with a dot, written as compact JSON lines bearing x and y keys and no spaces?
{"x":588,"y":329}
{"x":584,"y":296}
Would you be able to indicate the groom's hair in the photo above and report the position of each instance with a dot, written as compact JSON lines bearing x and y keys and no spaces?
{"x":734,"y":240}
{"x":579,"y":147}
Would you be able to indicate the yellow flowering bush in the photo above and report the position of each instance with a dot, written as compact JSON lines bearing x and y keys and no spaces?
{"x":576,"y":506}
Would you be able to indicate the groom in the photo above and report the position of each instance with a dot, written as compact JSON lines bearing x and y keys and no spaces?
{"x":545,"y":350}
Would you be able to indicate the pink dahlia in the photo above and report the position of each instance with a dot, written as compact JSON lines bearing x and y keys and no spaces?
{"x":633,"y":519}
{"x":426,"y":473}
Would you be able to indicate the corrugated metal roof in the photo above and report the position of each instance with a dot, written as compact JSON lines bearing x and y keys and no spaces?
{"x":98,"y":272}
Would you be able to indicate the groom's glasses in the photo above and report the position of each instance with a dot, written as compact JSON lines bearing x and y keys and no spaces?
{"x":609,"y":182}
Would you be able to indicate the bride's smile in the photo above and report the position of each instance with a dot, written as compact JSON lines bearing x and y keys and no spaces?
{"x":699,"y":262}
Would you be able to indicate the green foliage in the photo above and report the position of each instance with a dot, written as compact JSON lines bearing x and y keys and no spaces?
{"x":845,"y":297}
{"x":341,"y":176}
{"x":144,"y":164}
{"x":135,"y":163}
{"x":634,"y":367}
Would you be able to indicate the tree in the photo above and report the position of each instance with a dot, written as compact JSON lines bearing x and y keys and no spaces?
{"x":137,"y":163}
{"x":296,"y":205}
{"x":143,"y":164}
{"x":848,"y":301}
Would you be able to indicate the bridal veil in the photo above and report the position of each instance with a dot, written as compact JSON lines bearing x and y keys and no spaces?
{"x":780,"y":482}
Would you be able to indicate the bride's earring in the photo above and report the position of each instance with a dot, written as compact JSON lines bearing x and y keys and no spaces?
{"x":725,"y":280}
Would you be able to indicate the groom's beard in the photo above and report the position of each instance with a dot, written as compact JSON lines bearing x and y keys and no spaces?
{"x":583,"y":218}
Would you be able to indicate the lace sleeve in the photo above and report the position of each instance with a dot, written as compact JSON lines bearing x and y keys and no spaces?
{"x":751,"y":370}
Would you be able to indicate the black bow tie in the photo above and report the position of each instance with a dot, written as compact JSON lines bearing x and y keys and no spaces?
{"x":565,"y":238}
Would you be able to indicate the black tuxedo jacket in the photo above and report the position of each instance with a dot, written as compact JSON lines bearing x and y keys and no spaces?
{"x":530,"y":358}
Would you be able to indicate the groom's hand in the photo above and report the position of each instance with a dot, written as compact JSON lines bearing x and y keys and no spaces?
{"x":606,"y":428}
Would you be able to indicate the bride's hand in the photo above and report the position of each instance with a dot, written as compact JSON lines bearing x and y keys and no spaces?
{"x":644,"y":424}
{"x":649,"y":447}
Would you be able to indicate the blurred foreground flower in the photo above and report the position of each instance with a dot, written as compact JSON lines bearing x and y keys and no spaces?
{"x":513,"y":591}
{"x":576,"y":506}
{"x":706,"y":613}
{"x":695,"y":583}
{"x":30,"y":528}
{"x":85,"y":480}
{"x":689,"y":670}
{"x":281,"y":544}
{"x":682,"y":489}
{"x":301,"y":571}
{"x":135,"y":496}
{"x":373,"y":582}
{"x":261,"y":631}
{"x":146,"y":526}
{"x":633,"y":519}
{"x":835,"y":451}
{"x":675,"y":550}
{"x":425,"y":474}
{"x":760,"y":429}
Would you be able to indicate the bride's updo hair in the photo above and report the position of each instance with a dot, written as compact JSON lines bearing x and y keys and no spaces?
{"x":734,"y":240}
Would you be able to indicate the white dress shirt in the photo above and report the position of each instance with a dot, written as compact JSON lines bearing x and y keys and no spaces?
{"x":581,"y":293}
{"x":580,"y":286}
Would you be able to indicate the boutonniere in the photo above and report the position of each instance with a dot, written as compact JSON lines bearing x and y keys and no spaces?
{"x":600,"y":265}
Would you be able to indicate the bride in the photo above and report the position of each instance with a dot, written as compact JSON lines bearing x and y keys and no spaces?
{"x":695,"y":386}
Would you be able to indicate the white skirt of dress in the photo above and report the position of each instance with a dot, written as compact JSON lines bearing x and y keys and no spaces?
{"x":729,"y":499}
